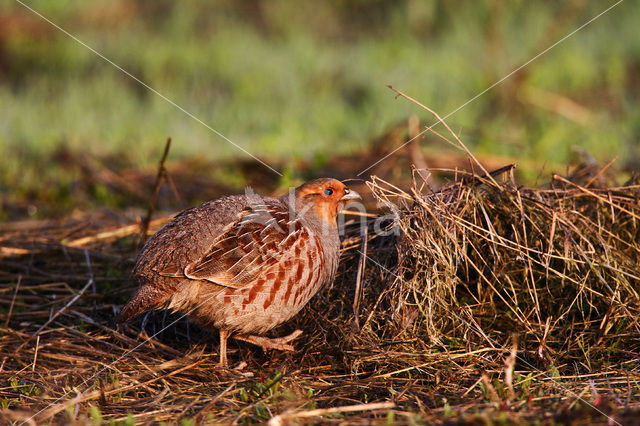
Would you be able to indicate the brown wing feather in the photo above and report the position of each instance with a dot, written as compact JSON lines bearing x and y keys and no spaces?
{"x":172,"y":270}
{"x":245,"y":249}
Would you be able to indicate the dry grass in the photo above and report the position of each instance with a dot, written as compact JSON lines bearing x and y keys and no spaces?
{"x":482,"y":302}
{"x":491,"y":302}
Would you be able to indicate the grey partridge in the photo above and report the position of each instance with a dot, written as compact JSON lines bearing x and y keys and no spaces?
{"x":243,"y":264}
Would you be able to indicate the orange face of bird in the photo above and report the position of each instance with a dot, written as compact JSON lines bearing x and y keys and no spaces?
{"x":326,"y":197}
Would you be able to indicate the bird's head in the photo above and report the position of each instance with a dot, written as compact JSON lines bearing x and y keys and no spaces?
{"x":324,"y":197}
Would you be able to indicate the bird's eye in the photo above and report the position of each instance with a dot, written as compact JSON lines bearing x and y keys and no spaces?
{"x":328,"y":192}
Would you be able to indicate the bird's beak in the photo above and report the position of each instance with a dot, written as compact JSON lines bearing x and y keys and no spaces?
{"x":350,"y":194}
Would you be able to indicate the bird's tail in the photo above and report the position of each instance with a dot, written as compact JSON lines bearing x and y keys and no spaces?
{"x":145,"y":299}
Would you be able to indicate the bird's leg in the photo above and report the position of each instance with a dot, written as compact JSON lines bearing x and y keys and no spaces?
{"x":223,"y":348}
{"x":280,"y":343}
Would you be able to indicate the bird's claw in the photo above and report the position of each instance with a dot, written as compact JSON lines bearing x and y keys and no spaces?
{"x":279,"y":343}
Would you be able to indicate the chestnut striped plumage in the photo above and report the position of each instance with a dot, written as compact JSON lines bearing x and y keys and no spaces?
{"x":243,"y":264}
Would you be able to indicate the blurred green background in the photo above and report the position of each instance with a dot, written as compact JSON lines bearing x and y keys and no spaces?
{"x":305,"y":79}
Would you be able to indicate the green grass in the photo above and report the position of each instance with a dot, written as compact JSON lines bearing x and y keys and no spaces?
{"x":300,"y":80}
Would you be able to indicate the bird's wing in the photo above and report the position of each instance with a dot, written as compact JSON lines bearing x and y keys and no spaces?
{"x":246,"y":248}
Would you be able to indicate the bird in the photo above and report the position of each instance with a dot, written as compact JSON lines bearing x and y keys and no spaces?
{"x":243,"y":264}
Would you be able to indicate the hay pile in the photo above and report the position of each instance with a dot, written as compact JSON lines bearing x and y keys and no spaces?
{"x":482,"y":300}
{"x":482,"y":259}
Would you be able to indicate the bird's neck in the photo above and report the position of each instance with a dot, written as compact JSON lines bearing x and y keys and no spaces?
{"x":320,"y":216}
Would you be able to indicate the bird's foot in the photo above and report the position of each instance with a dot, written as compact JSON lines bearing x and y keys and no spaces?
{"x":279,"y":343}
